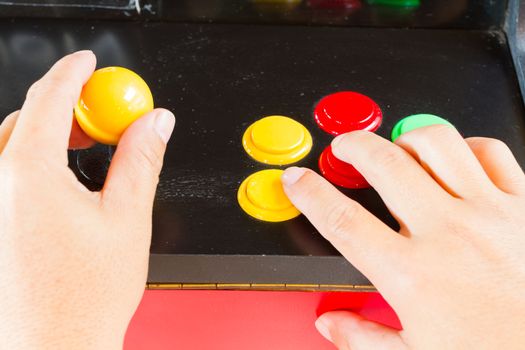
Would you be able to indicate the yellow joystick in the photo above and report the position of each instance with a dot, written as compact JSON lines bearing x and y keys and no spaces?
{"x":112,"y":99}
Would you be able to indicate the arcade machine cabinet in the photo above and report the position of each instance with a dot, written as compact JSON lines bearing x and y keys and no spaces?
{"x":219,"y":279}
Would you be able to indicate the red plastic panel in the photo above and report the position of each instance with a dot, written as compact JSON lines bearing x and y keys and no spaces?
{"x":230,"y":320}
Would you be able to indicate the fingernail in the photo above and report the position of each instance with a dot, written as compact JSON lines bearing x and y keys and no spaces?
{"x":323,"y":328}
{"x":164,"y":125}
{"x":82,"y":52}
{"x":292,"y":175}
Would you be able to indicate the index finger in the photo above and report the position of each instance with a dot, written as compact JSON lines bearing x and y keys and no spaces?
{"x":370,"y":245}
{"x":47,"y":114}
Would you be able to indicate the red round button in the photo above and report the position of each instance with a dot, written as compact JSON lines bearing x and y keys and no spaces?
{"x":339,"y":172}
{"x":347,"y":111}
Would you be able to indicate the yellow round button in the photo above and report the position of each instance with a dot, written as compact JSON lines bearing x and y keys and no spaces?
{"x":261,"y":195}
{"x":112,"y":99}
{"x":277,"y":140}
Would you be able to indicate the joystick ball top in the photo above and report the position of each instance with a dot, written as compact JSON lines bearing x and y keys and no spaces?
{"x":112,"y":99}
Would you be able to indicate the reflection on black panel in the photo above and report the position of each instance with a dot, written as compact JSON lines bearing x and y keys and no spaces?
{"x":378,"y":13}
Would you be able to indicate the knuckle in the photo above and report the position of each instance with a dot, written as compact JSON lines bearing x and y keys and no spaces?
{"x":493,"y":146}
{"x":11,"y":117}
{"x":470,"y":227}
{"x":497,"y":205}
{"x":438,"y":132}
{"x":387,"y":156}
{"x":34,"y":90}
{"x":51,"y":88}
{"x":458,"y":227}
{"x":43,"y":87}
{"x":150,"y":158}
{"x":339,"y":218}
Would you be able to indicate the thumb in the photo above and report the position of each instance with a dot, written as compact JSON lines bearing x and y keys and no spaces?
{"x":134,"y":171}
{"x":6,"y":128}
{"x":350,"y":331}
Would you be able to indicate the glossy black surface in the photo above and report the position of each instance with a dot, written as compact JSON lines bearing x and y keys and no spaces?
{"x":220,"y":78}
{"x":429,"y":13}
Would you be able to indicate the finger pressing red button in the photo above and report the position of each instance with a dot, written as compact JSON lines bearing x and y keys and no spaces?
{"x":340,"y":173}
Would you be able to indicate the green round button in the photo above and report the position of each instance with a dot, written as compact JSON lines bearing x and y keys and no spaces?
{"x":417,"y":121}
